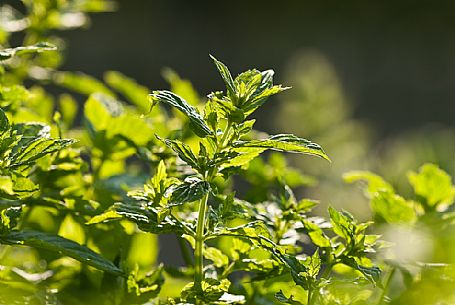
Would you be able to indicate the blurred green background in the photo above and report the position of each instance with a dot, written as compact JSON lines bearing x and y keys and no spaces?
{"x":372,"y":81}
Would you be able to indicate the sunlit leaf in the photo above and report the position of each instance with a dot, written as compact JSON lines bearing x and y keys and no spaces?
{"x":197,"y":123}
{"x":287,"y":143}
{"x":60,"y":245}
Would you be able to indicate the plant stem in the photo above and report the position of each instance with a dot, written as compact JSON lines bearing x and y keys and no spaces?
{"x":386,"y":286}
{"x":309,"y":297}
{"x":198,"y":256}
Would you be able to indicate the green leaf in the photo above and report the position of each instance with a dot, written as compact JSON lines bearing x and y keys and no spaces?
{"x":60,"y":245}
{"x":341,"y":223}
{"x":36,"y":48}
{"x":316,"y":234}
{"x":242,"y":157}
{"x":183,"y":151}
{"x":141,"y":290}
{"x":375,"y":182}
{"x":129,"y":88}
{"x":287,"y":143}
{"x":37,"y":149}
{"x":23,"y":187}
{"x":9,"y":218}
{"x":212,"y":291}
{"x":218,"y":258}
{"x":190,"y":190}
{"x":81,"y":83}
{"x":104,"y":113}
{"x":197,"y":123}
{"x":104,"y":217}
{"x":283,"y":299}
{"x":433,"y":185}
{"x":4,"y":122}
{"x":225,"y":75}
{"x":393,"y":208}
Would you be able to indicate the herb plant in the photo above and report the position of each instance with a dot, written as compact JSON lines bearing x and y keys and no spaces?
{"x":82,"y":203}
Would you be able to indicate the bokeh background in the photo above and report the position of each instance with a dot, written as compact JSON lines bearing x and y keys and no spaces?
{"x":371,"y":80}
{"x":395,"y":60}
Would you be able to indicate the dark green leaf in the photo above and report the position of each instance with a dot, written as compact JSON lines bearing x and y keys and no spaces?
{"x":4,"y":122}
{"x":61,"y":245}
{"x":190,"y":190}
{"x":225,"y":75}
{"x":197,"y":123}
{"x":183,"y":151}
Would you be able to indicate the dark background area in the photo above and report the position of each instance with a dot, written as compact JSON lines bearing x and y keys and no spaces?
{"x":395,"y":59}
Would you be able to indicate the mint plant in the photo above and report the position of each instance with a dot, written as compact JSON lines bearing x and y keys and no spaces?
{"x":82,"y":202}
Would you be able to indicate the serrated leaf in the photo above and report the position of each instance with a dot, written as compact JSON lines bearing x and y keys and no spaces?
{"x":37,"y":149}
{"x":286,"y":143}
{"x":192,"y":189}
{"x":36,"y":48}
{"x":60,"y":245}
{"x":183,"y":151}
{"x":225,"y":75}
{"x":197,"y":123}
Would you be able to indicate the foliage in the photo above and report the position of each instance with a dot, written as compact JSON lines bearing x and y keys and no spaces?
{"x":83,"y":201}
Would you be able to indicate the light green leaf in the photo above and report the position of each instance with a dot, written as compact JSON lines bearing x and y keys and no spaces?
{"x":393,"y":208}
{"x":104,"y":217}
{"x":283,"y":299}
{"x":81,"y":83}
{"x":243,"y":157}
{"x":341,"y":223}
{"x":316,"y":234}
{"x":9,"y":218}
{"x":36,"y":48}
{"x":128,"y":87}
{"x":375,"y":182}
{"x":60,"y":245}
{"x":433,"y":185}
{"x":197,"y":123}
{"x":216,"y":256}
{"x":287,"y":143}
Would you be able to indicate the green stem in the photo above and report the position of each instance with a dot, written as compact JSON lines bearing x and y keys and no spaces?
{"x":309,"y":297}
{"x":225,"y":134}
{"x":386,"y":286}
{"x":198,"y":256}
